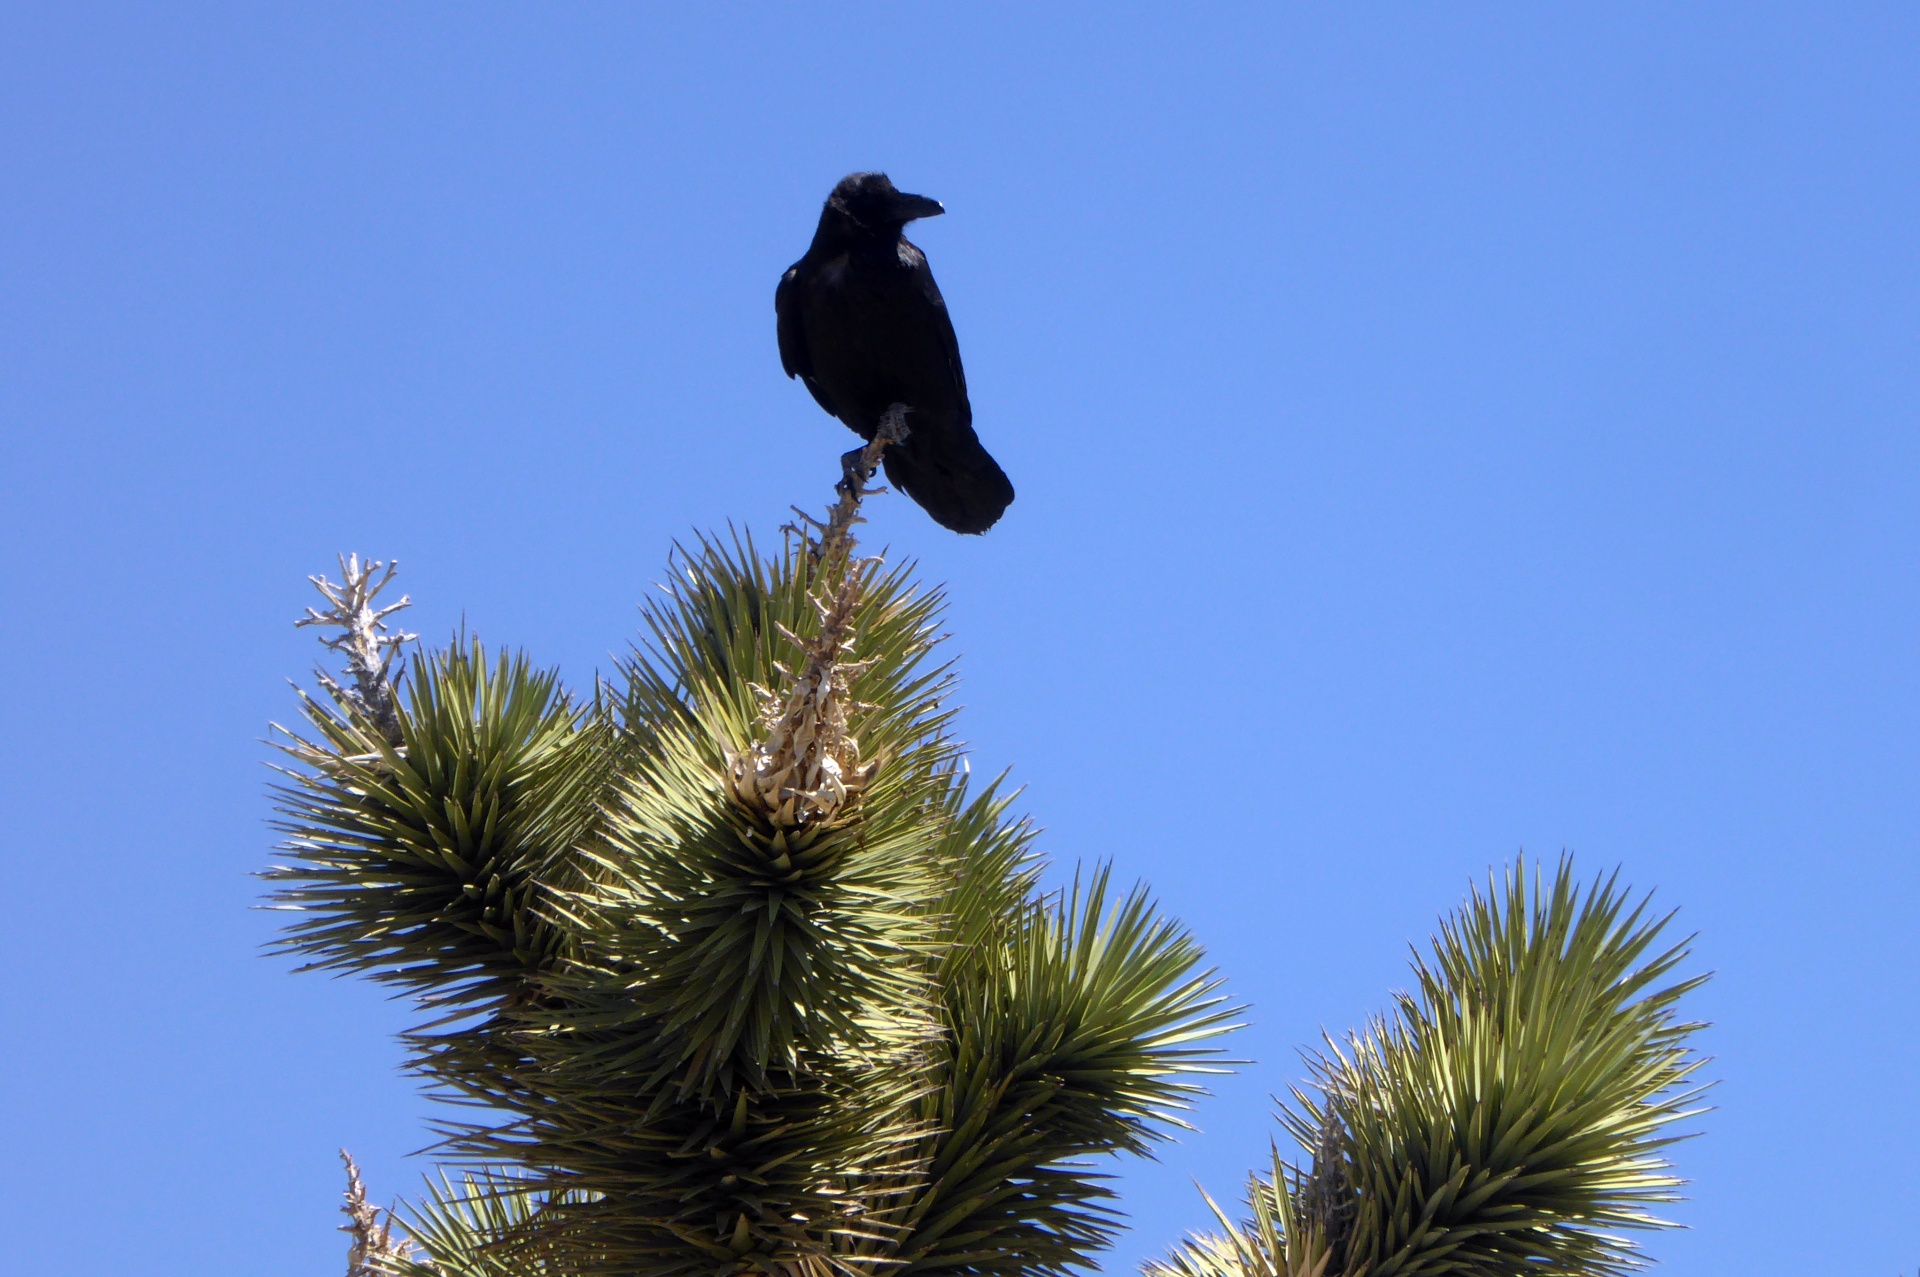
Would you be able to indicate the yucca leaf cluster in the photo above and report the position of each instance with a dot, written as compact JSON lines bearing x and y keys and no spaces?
{"x":733,"y":966}
{"x":1509,"y":1117}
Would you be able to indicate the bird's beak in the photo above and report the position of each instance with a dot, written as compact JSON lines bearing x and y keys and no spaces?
{"x":913,"y":207}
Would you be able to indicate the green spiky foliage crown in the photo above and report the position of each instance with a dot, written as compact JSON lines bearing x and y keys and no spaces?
{"x":1510,"y":1117}
{"x":736,"y":969}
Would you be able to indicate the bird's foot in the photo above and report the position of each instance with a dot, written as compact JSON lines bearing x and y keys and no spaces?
{"x":857,"y":466}
{"x":854,"y":472}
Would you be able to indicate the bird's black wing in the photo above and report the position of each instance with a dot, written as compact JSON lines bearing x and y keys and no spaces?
{"x":794,"y":356}
{"x":786,"y":313}
{"x":941,"y":464}
{"x":942,"y":324}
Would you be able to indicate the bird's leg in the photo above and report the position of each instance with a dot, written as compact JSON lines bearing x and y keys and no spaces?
{"x":858,"y":465}
{"x":893,"y":426}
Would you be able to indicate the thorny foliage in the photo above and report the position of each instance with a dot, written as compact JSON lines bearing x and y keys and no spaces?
{"x":742,"y":973}
{"x":1511,"y":1117}
{"x":747,"y":981}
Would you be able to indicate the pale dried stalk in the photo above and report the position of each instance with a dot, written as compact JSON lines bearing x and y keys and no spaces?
{"x":373,"y":1239}
{"x":369,"y":649}
{"x":836,"y":535}
{"x":806,"y":767}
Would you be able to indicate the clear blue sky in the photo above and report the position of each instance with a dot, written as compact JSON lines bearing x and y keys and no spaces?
{"x":1439,"y":431}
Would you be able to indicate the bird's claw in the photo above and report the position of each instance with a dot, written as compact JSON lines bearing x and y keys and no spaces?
{"x":858,"y":465}
{"x":853,"y":471}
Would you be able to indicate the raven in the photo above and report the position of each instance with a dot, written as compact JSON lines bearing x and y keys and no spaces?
{"x":862,"y":323}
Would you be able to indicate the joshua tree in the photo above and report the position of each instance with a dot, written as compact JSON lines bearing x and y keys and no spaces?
{"x":738,"y":971}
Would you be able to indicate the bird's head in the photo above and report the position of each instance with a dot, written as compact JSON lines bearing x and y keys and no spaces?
{"x":872,"y":205}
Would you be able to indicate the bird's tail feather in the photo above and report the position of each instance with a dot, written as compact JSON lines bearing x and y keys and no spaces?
{"x":952,"y":478}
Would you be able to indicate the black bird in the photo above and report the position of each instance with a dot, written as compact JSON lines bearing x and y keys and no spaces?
{"x":864,"y":326}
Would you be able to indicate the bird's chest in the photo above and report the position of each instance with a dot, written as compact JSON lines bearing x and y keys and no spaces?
{"x":867,"y":315}
{"x":851,"y":287}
